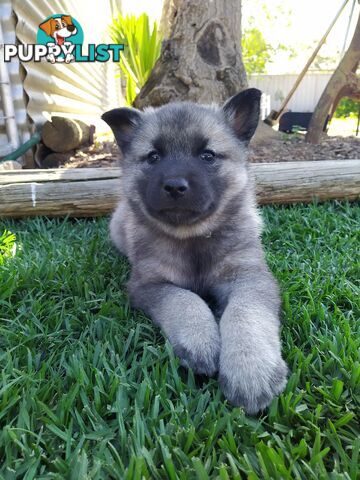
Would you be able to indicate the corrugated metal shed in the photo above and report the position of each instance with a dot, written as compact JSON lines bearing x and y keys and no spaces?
{"x":7,"y":22}
{"x":277,"y":86}
{"x":79,"y":90}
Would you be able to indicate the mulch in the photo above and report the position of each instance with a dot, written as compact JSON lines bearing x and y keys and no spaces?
{"x":294,"y":148}
{"x":284,"y":149}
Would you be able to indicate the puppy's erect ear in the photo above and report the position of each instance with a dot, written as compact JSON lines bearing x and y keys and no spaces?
{"x":67,"y":19}
{"x":48,"y":26}
{"x":123,"y":122}
{"x":242,"y":112}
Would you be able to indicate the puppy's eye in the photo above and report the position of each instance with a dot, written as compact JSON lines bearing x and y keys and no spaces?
{"x":64,"y":24}
{"x":153,"y":157}
{"x":57,"y":27}
{"x":207,"y":155}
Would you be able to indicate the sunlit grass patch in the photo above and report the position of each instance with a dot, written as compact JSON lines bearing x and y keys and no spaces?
{"x":7,"y":245}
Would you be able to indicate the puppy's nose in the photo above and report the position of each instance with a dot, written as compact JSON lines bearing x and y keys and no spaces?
{"x":175,"y":187}
{"x":71,"y":28}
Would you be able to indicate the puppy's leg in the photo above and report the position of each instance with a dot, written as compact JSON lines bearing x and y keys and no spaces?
{"x":251,"y":368}
{"x":185,"y":319}
{"x":117,"y":232}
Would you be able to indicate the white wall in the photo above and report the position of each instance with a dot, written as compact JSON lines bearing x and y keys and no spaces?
{"x":305,"y":97}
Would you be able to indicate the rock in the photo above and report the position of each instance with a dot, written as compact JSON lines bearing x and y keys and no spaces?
{"x":55,"y":160}
{"x":10,"y":165}
{"x":41,"y":151}
{"x":264,"y":133}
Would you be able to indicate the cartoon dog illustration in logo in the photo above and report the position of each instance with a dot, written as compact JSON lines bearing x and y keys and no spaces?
{"x":59,"y":29}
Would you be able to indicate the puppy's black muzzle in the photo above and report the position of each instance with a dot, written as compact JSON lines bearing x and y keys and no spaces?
{"x":176,"y":187}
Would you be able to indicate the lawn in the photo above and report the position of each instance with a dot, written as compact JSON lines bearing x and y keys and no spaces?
{"x":91,"y":390}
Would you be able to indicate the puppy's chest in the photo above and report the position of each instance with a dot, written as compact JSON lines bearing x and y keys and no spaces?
{"x":198,"y":259}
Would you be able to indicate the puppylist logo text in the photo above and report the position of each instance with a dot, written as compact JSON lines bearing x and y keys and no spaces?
{"x":60,"y":39}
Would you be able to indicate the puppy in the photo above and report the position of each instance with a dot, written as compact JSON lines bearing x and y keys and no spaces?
{"x":59,"y":29}
{"x":189,"y":226}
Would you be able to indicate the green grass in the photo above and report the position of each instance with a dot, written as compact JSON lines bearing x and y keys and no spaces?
{"x":90,"y":390}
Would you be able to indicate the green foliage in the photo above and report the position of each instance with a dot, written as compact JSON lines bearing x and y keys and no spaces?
{"x":347,"y":108}
{"x":91,"y":390}
{"x":7,"y":245}
{"x":142,"y":47}
{"x":255,"y":51}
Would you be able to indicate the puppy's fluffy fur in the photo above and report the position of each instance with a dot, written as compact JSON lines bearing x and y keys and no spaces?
{"x":189,"y":226}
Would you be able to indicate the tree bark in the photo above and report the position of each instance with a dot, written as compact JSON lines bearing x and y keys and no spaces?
{"x":88,"y":192}
{"x":343,"y":83}
{"x":200,"y":58}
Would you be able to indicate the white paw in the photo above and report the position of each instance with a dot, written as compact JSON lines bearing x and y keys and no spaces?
{"x":251,"y":381}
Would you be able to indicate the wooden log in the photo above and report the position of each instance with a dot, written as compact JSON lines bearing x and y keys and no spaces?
{"x":65,"y":134}
{"x":79,"y":192}
{"x":293,"y":182}
{"x":88,"y":192}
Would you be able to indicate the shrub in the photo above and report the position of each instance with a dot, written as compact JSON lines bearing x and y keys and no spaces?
{"x":347,"y":108}
{"x":255,"y":51}
{"x":141,"y":50}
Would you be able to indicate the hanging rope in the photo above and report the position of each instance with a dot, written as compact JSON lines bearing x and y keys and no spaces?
{"x":348,"y":29}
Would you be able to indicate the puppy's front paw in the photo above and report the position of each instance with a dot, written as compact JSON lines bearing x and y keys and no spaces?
{"x":251,"y":382}
{"x":199,"y":350}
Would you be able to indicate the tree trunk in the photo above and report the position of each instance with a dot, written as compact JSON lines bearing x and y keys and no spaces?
{"x":343,"y":83}
{"x":200,"y":59}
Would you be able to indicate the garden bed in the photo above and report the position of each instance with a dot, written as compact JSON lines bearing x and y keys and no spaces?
{"x":105,"y":153}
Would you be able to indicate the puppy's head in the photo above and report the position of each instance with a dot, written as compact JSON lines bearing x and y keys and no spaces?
{"x":183,"y":162}
{"x":59,"y":28}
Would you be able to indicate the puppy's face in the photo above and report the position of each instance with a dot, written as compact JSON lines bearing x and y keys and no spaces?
{"x":59,"y":28}
{"x":183,"y":162}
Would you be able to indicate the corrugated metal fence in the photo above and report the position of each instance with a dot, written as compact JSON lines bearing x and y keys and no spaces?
{"x":39,"y":90}
{"x":7,"y":24}
{"x":80,"y":90}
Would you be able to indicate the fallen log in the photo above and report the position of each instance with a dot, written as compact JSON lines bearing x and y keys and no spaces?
{"x":88,"y":192}
{"x":293,"y":182}
{"x":65,"y":134}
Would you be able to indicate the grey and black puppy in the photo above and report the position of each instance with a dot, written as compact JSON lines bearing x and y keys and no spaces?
{"x":188,"y":223}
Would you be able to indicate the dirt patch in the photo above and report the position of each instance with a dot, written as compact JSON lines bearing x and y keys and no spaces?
{"x":101,"y":154}
{"x":291,"y":148}
{"x":288,"y":148}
